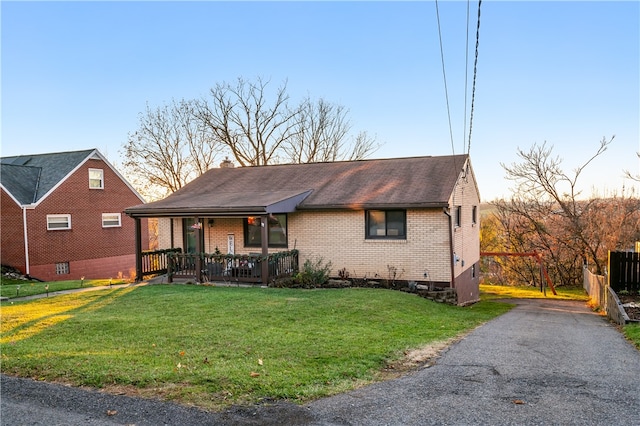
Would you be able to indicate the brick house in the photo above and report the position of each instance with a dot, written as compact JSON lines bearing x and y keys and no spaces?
{"x":417,"y":217}
{"x":62,"y":216}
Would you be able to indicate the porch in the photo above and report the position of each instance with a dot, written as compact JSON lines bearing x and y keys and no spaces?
{"x":205,"y":267}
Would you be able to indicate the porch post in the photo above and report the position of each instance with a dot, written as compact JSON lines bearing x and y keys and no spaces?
{"x":138,"y":249}
{"x":197,"y":231}
{"x":264,"y":228}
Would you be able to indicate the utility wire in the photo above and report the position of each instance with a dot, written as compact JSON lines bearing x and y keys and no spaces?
{"x":475,"y":73}
{"x":466,"y":75}
{"x":444,"y":76}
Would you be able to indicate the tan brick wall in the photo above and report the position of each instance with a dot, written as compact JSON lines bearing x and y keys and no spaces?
{"x":467,"y":239}
{"x":339,"y":237}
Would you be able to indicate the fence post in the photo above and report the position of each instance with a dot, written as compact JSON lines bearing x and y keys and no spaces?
{"x":170,"y":268}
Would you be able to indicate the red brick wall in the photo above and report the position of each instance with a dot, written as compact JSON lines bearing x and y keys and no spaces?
{"x":107,"y":267}
{"x":11,"y":233}
{"x":91,"y":250}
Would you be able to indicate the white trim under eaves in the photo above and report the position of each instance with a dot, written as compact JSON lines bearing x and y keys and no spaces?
{"x":93,"y":155}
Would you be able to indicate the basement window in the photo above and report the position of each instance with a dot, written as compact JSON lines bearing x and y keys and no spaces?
{"x":62,"y":268}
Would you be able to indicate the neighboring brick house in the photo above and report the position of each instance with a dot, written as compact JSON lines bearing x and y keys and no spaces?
{"x":61,"y":216}
{"x":415,"y":216}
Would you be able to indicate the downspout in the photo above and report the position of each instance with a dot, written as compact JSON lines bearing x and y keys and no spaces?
{"x":26,"y":241}
{"x":451,"y":251}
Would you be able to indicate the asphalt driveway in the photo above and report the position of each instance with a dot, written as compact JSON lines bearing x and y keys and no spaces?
{"x":545,"y":362}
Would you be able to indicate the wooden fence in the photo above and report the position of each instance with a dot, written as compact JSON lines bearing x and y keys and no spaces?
{"x":595,"y":286}
{"x":624,"y":271}
{"x":156,"y":262}
{"x":245,"y":268}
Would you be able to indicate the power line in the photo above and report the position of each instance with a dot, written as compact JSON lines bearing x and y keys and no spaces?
{"x":475,"y":73}
{"x":444,"y":76}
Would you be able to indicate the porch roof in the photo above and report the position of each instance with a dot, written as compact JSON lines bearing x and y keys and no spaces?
{"x":414,"y":182}
{"x":243,"y":203}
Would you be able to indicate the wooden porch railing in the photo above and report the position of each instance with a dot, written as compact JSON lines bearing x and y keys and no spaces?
{"x":155,"y":262}
{"x":203,"y":267}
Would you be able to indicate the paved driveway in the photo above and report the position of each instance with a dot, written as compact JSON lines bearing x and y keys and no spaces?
{"x":543,"y":363}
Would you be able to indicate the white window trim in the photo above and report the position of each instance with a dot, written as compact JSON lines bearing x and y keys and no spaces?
{"x":101,"y":179}
{"x":52,"y":217}
{"x":111,"y":216}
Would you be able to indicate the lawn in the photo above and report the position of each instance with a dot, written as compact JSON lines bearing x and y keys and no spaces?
{"x":12,"y":288}
{"x":217,"y":346}
{"x":489,"y":292}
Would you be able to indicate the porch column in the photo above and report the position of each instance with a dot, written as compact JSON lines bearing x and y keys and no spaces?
{"x":138,"y":249}
{"x":264,"y":228}
{"x":199,"y":250}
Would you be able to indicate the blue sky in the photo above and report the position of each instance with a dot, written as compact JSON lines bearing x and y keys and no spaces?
{"x":75,"y":75}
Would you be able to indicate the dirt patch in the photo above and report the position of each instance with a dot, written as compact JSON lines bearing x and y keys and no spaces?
{"x":414,"y":359}
{"x":633,"y":305}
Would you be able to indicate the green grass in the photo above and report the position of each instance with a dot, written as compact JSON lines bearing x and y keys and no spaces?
{"x":490,"y":292}
{"x":18,"y":288}
{"x":215,"y":346}
{"x":632,"y":332}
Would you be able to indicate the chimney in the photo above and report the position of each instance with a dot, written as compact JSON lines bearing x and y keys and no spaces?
{"x":226,"y":164}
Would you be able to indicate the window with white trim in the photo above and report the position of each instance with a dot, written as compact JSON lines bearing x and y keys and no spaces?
{"x":111,"y":220}
{"x":56,"y":222}
{"x":96,"y":179}
{"x":458,"y":216}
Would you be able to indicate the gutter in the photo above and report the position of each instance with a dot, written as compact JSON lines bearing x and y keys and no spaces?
{"x":451,"y":251}
{"x":26,"y":240}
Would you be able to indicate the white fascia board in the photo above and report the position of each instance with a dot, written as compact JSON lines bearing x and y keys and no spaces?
{"x":93,"y":155}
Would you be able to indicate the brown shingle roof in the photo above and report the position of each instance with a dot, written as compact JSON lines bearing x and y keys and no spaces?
{"x":386,"y":183}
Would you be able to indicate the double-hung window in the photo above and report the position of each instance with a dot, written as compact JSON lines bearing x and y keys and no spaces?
{"x":386,"y":224}
{"x":58,"y":222}
{"x":96,"y":179}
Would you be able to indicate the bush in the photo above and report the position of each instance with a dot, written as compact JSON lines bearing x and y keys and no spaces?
{"x":314,"y":273}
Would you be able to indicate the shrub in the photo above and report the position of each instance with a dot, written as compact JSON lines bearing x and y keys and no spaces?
{"x":314,"y":273}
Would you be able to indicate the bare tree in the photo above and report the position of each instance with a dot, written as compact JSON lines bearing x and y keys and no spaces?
{"x":180,"y":141}
{"x":259,"y":132}
{"x":243,"y":121}
{"x":322,"y":133}
{"x":548,"y":190}
{"x":631,"y":176}
{"x":170,"y":148}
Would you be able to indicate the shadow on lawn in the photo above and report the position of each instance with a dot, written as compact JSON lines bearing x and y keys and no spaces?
{"x":21,"y":321}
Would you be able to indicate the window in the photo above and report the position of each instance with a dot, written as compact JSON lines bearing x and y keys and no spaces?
{"x":474,"y":215}
{"x":458,"y":216}
{"x":58,"y":222}
{"x":277,"y":231}
{"x":96,"y":179}
{"x":385,"y":224}
{"x":111,"y":220}
{"x":62,"y":268}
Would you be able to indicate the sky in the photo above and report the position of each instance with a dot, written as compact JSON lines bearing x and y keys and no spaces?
{"x":77,"y":75}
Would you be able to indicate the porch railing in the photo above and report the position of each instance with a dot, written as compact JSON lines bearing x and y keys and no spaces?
{"x":155,"y":262}
{"x":203,"y":267}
